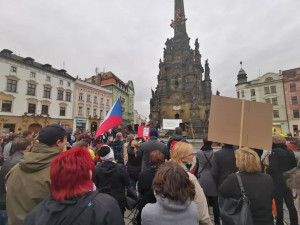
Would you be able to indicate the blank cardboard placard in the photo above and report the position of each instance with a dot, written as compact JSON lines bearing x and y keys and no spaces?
{"x":225,"y":122}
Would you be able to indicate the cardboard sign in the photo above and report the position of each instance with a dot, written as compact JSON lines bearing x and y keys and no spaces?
{"x":144,"y":131}
{"x":240,"y":122}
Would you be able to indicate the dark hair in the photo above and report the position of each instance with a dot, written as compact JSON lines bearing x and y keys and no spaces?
{"x":156,"y":158}
{"x":26,"y":133}
{"x":178,"y":130}
{"x":79,"y":137}
{"x":82,"y":144}
{"x":172,"y":182}
{"x":206,"y":142}
{"x":103,"y":151}
{"x":19,"y":145}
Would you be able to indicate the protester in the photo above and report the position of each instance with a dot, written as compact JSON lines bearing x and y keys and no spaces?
{"x":223,"y":164}
{"x":177,"y":136}
{"x":124,"y":150}
{"x":21,"y":147}
{"x":281,"y":160}
{"x":174,"y":193}
{"x":204,"y":159}
{"x":29,"y":182}
{"x":85,"y":145}
{"x":258,"y":186}
{"x":117,"y":146}
{"x":28,"y":134}
{"x":147,"y":147}
{"x":183,"y":154}
{"x":134,"y":162}
{"x":111,"y":177}
{"x":6,"y":151}
{"x":72,"y":200}
{"x":145,"y":182}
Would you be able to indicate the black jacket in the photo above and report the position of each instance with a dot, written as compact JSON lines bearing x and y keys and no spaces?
{"x":134,"y":164}
{"x":223,"y":164}
{"x":7,"y":165}
{"x":145,"y":187}
{"x":112,"y":178}
{"x":147,"y":147}
{"x":259,"y":189}
{"x":174,"y":137}
{"x":102,"y":210}
{"x":281,"y":160}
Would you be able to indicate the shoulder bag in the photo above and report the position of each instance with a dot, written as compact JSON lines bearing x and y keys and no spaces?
{"x":237,"y":211}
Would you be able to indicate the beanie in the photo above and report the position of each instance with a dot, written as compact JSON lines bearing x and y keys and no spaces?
{"x":106,"y":153}
{"x":153,"y":133}
{"x":50,"y":134}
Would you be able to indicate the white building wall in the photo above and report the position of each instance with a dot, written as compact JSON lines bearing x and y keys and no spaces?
{"x":20,"y":103}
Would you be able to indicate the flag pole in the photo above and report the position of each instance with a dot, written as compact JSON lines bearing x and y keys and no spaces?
{"x":122,"y":117}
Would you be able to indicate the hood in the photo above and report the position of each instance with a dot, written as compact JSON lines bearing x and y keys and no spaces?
{"x":172,"y":205}
{"x":39,"y":158}
{"x":280,"y":149}
{"x":177,"y":137}
{"x":108,"y":168}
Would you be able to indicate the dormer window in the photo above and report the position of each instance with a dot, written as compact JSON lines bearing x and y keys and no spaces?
{"x":47,"y":66}
{"x":6,"y":52}
{"x":29,"y":60}
{"x":63,"y":72}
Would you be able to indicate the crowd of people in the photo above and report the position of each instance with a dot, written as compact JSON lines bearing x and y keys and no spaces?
{"x":61,"y":177}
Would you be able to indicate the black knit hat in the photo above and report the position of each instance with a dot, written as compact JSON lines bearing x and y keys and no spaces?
{"x":51,"y":133}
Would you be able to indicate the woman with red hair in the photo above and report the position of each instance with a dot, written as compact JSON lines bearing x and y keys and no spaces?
{"x":72,"y":198}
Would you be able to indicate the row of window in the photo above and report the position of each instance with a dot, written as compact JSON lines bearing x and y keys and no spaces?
{"x":32,"y":74}
{"x":88,"y":111}
{"x":31,"y":89}
{"x":276,"y":113}
{"x":7,"y":107}
{"x":89,"y":99}
{"x":268,"y":90}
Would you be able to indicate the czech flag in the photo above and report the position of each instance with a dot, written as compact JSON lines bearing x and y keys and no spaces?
{"x":112,"y":119}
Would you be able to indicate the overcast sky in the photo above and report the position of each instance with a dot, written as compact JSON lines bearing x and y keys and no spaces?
{"x":127,"y":37}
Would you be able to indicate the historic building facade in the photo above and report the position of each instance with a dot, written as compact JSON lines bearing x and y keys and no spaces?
{"x":291,"y":80}
{"x":33,"y":94}
{"x":91,"y":105}
{"x":267,"y":88}
{"x":182,"y":91}
{"x":119,"y":89}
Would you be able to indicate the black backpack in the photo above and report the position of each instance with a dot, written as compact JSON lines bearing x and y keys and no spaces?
{"x":291,"y":159}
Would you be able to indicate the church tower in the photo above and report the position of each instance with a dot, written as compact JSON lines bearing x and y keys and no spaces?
{"x":182,"y":91}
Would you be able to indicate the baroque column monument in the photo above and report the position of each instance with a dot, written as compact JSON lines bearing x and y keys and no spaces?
{"x":182,"y":91}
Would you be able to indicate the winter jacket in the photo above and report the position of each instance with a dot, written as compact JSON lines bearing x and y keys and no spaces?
{"x":134,"y":164}
{"x":281,"y":160}
{"x":200,"y":200}
{"x":147,"y":147}
{"x":204,"y":161}
{"x":28,"y":182}
{"x":112,"y":178}
{"x":117,"y":147}
{"x":7,"y":165}
{"x":102,"y":210}
{"x":168,"y":212}
{"x":145,"y":187}
{"x":223,"y":164}
{"x":259,"y":189}
{"x":174,"y":137}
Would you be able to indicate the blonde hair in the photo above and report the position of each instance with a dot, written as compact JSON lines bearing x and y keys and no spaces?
{"x":181,"y":150}
{"x":247,"y":160}
{"x":135,"y":144}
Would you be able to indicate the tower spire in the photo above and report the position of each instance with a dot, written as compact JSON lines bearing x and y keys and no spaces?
{"x":179,"y":18}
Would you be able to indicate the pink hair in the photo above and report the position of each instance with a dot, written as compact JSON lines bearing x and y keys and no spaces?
{"x":70,"y":174}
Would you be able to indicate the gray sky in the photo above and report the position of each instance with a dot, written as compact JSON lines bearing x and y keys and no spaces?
{"x":127,"y":37}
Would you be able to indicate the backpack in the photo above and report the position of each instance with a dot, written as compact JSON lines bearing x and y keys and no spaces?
{"x":291,"y":159}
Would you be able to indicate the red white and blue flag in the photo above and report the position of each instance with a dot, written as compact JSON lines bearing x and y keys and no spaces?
{"x":112,"y":119}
